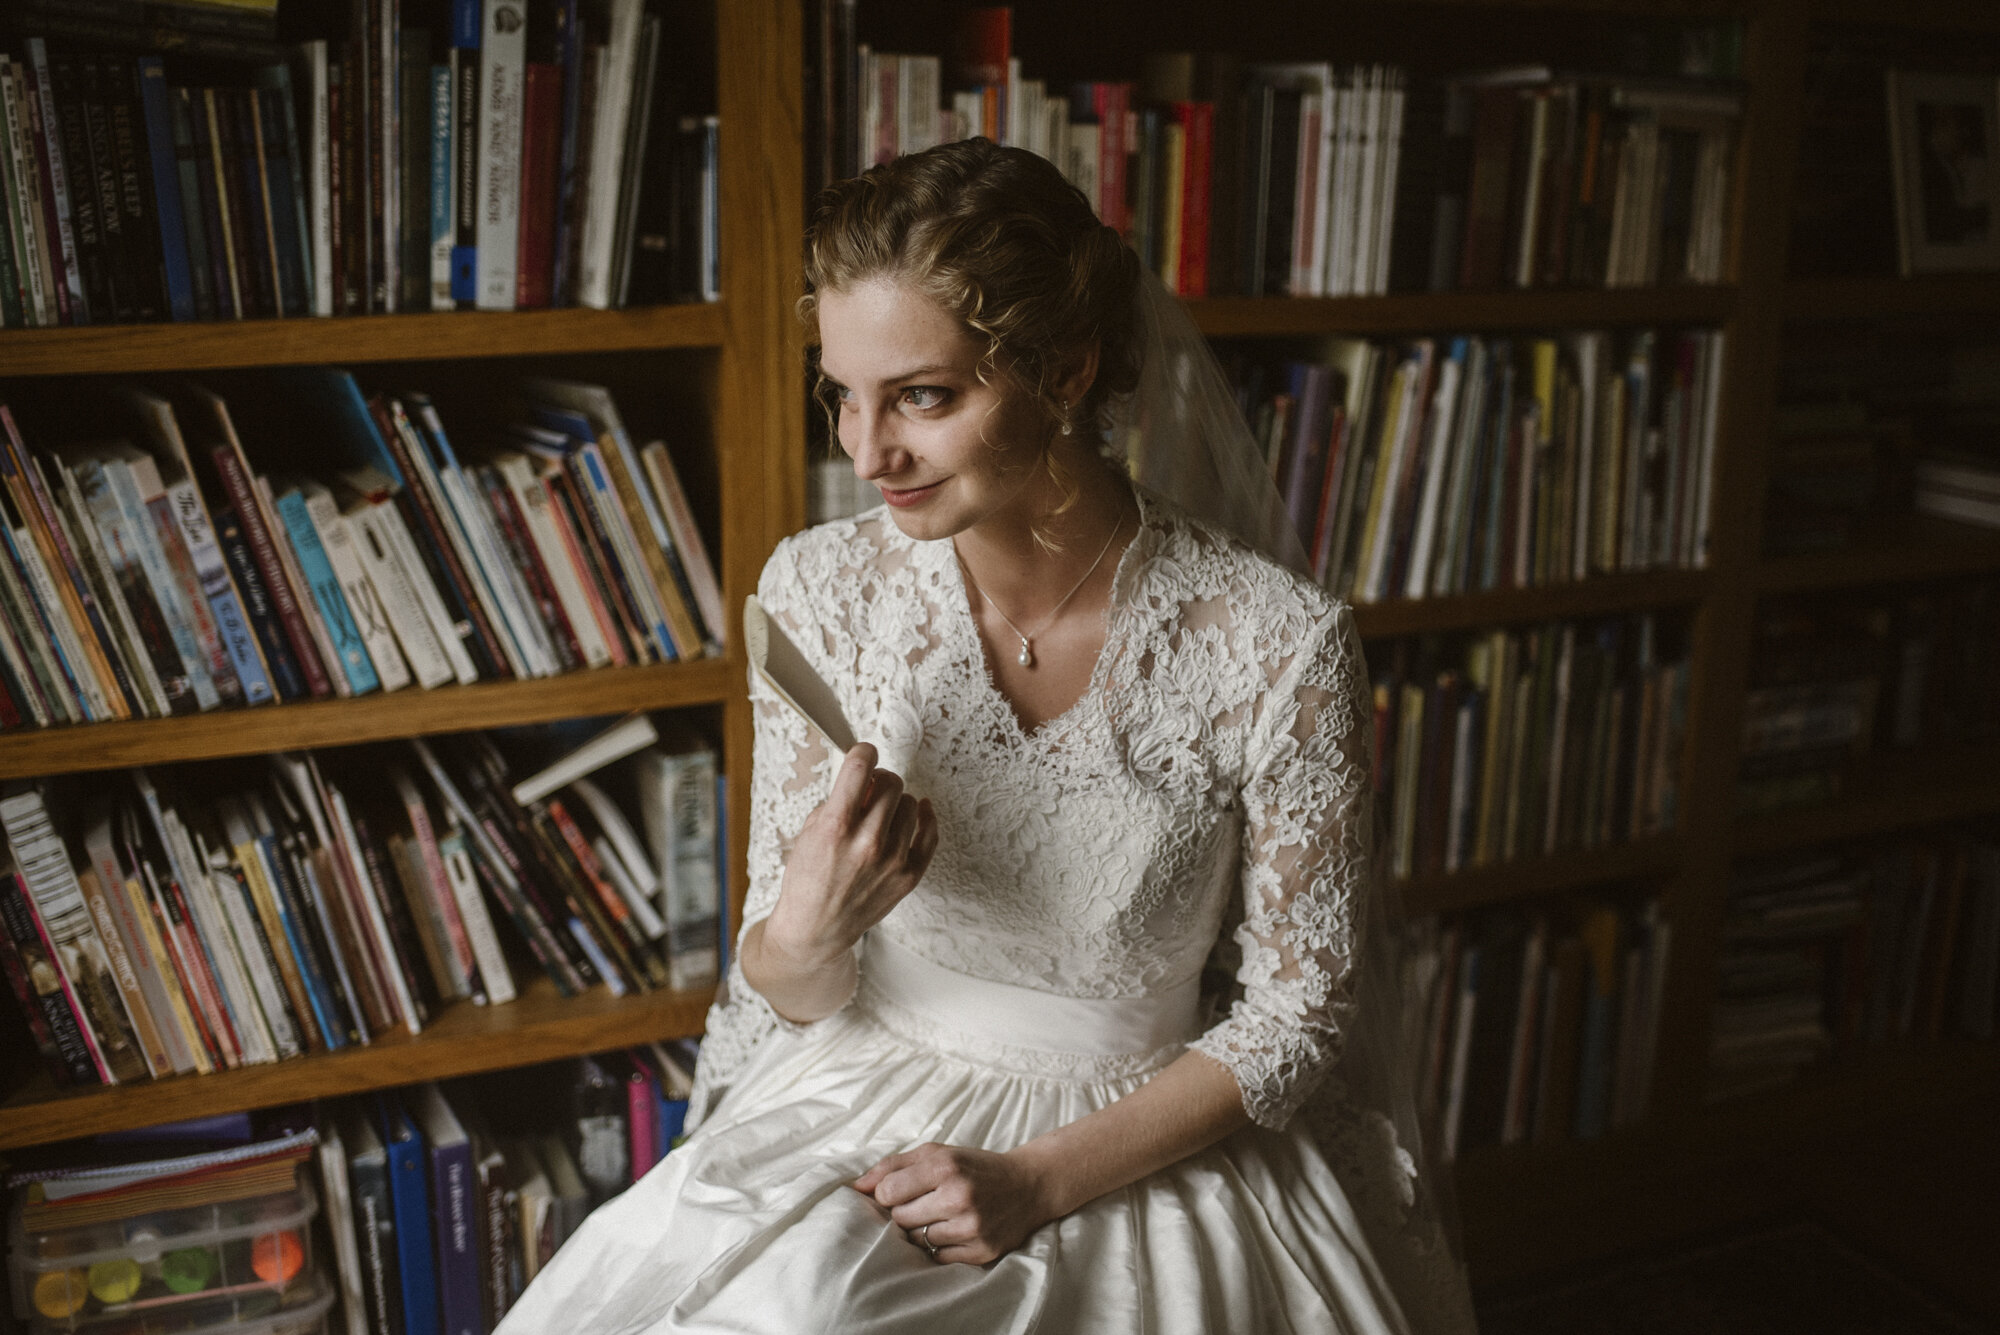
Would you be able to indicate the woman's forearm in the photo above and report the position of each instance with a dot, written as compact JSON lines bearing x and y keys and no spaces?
{"x":1187,"y":1107}
{"x":800,"y":988}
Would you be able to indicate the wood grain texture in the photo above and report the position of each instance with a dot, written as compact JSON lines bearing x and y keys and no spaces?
{"x":407,"y":713}
{"x":1654,"y":858}
{"x":1603,"y":596}
{"x":1775,"y":48}
{"x":1885,"y":793}
{"x":537,"y":1026}
{"x":1461,"y":312}
{"x":1875,"y":298}
{"x":210,"y":345}
{"x":1922,"y":548}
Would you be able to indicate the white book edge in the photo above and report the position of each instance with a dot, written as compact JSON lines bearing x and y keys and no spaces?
{"x":387,"y":522}
{"x":503,"y":57}
{"x":533,"y":501}
{"x":363,"y":602}
{"x":621,"y":739}
{"x":494,"y":976}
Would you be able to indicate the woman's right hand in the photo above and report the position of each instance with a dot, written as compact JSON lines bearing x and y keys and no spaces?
{"x":857,"y":856}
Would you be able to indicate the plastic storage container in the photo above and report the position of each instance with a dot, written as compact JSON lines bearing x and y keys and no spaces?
{"x":241,"y":1266}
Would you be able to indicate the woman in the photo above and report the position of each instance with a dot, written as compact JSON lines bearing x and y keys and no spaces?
{"x":967,"y":1077}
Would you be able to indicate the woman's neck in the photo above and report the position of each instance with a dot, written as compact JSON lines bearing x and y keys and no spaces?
{"x":1013,"y":568}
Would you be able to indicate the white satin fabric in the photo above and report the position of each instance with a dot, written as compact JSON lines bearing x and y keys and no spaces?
{"x":751,"y":1225}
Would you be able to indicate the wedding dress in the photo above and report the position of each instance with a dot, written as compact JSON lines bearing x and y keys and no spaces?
{"x":1210,"y":786}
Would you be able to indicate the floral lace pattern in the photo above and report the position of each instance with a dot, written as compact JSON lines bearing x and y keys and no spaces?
{"x":1214,"y":771}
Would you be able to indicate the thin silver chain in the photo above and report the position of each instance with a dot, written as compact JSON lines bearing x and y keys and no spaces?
{"x":1026,"y":658}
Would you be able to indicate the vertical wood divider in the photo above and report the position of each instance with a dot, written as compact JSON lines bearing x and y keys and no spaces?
{"x":760,"y":418}
{"x":1775,"y":76}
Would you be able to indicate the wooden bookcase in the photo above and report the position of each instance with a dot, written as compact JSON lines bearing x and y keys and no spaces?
{"x":736,"y":361}
{"x":745,"y":355}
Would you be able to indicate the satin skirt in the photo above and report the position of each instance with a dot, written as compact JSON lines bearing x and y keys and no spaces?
{"x":752,"y":1226}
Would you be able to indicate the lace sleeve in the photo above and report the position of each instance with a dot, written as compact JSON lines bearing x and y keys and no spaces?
{"x":791,"y":773}
{"x":1306,"y":836}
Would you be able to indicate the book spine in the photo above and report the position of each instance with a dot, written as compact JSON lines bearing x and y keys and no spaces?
{"x":308,"y":950}
{"x":38,"y":170}
{"x":145,"y":541}
{"x":375,"y":1231}
{"x":249,"y":516}
{"x":13,"y":281}
{"x":467,"y":22}
{"x":503,"y":61}
{"x":166,"y":180}
{"x":455,"y":1219}
{"x":278,"y":145}
{"x":444,"y":200}
{"x":68,"y":82}
{"x":285,"y":954}
{"x":219,"y":219}
{"x":254,"y":172}
{"x":54,"y":155}
{"x":135,"y":193}
{"x":397,"y":600}
{"x":16,"y":969}
{"x":392,"y":907}
{"x":287,"y":682}
{"x":363,"y":603}
{"x":190,"y":594}
{"x":321,"y":211}
{"x":524,"y":561}
{"x":31,"y":242}
{"x":83,"y":537}
{"x":494,"y":975}
{"x":260,"y":959}
{"x":415,"y":1263}
{"x":240,"y":199}
{"x":211,"y":568}
{"x":73,"y":1047}
{"x":386,"y":520}
{"x":194,"y":213}
{"x":349,"y":647}
{"x":540,"y":151}
{"x":152,"y":1044}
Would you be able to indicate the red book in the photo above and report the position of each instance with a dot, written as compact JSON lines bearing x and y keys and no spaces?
{"x":984,"y":45}
{"x":1484,"y":256}
{"x":1113,"y":104}
{"x":1197,"y":119}
{"x":250,"y":513}
{"x":541,"y":153}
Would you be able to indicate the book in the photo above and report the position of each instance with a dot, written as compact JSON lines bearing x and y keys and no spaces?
{"x":677,"y":801}
{"x":455,"y":1222}
{"x":501,"y":112}
{"x":407,"y":1151}
{"x":621,"y":739}
{"x":339,"y":1215}
{"x":37,"y":964}
{"x":375,"y":1219}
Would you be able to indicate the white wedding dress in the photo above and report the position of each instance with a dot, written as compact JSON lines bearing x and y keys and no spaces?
{"x":1213,"y":775}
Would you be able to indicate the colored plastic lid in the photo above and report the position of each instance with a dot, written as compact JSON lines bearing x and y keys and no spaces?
{"x":113,"y":1282}
{"x":189,"y":1270}
{"x":277,"y":1257}
{"x":61,"y":1293}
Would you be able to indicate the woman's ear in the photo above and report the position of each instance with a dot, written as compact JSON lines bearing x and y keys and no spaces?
{"x":1078,"y":373}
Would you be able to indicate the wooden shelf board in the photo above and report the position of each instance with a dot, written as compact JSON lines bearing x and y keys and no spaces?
{"x":1921,"y":548}
{"x":1460,"y":312}
{"x":406,"y":713}
{"x":1602,"y":596}
{"x":1949,"y":15}
{"x":539,"y":1025}
{"x":1898,"y":792}
{"x":208,"y":345}
{"x":1872,"y":298}
{"x":1526,"y":878}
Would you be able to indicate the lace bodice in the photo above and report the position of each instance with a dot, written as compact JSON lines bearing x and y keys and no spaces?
{"x":1215,"y":769}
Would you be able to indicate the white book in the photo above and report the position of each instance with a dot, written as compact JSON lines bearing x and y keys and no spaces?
{"x":24,"y":196}
{"x":319,"y":151}
{"x":639,"y":903}
{"x":611,"y":819}
{"x":494,"y":977}
{"x":607,"y":151}
{"x":59,"y":172}
{"x":503,"y":68}
{"x":253,"y":1031}
{"x":533,"y":500}
{"x":1368,"y":181}
{"x":917,"y":93}
{"x":1341,"y":197}
{"x":1373,"y":579}
{"x":510,"y":589}
{"x":1442,"y":418}
{"x":257,"y":965}
{"x":629,"y":734}
{"x":363,"y":602}
{"x":427,"y":478}
{"x":386,"y":521}
{"x":1531,"y":207}
{"x":397,"y":597}
{"x":340,"y":1220}
{"x":678,"y":804}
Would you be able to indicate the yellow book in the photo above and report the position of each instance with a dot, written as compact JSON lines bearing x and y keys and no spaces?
{"x":1385,"y":450}
{"x":1173,"y":179}
{"x":170,"y":980}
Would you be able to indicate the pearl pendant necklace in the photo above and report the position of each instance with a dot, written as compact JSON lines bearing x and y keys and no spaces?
{"x":1026,"y":658}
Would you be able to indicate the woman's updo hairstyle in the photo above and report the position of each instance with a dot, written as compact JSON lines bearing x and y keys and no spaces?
{"x":998,"y":238}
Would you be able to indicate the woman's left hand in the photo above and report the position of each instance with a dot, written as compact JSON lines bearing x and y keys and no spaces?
{"x":979,"y":1205}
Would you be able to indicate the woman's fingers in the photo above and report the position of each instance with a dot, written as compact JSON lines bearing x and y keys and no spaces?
{"x":868,"y":1181}
{"x":852,"y":784}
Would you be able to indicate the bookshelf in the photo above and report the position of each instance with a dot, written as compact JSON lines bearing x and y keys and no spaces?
{"x":742,"y":358}
{"x":735,"y":361}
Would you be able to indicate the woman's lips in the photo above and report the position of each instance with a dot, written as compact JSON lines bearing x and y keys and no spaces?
{"x":911,"y":495}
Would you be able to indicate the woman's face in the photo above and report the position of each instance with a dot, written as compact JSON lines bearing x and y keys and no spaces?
{"x":948,"y":451}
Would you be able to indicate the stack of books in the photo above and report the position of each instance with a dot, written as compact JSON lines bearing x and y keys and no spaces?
{"x":1537,"y":1027}
{"x":1959,"y":485}
{"x":1522,"y":743}
{"x":439,"y":1218}
{"x":1816,"y":678}
{"x":185,"y":566}
{"x":311,"y":902}
{"x":1828,"y":951}
{"x":1313,"y":179}
{"x":511,"y":156}
{"x":1459,"y":465}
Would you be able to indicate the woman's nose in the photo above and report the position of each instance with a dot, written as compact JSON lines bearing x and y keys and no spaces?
{"x":870,"y":442}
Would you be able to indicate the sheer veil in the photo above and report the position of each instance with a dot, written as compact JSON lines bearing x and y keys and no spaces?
{"x":1182,"y":435}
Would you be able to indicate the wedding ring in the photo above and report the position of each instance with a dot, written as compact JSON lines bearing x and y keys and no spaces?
{"x":924,"y":1240}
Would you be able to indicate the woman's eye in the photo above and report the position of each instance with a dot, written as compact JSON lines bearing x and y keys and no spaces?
{"x":925,"y":396}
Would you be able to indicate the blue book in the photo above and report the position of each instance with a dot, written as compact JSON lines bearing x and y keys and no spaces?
{"x":467,"y":18}
{"x":264,"y":620}
{"x":454,"y":1217}
{"x":278,"y":79}
{"x":569,"y":55}
{"x":374,"y":1222}
{"x":409,"y":1195}
{"x":166,"y":187}
{"x":288,"y":241}
{"x":318,"y":571}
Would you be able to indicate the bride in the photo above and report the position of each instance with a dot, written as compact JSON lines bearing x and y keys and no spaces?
{"x":971,"y":1073}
